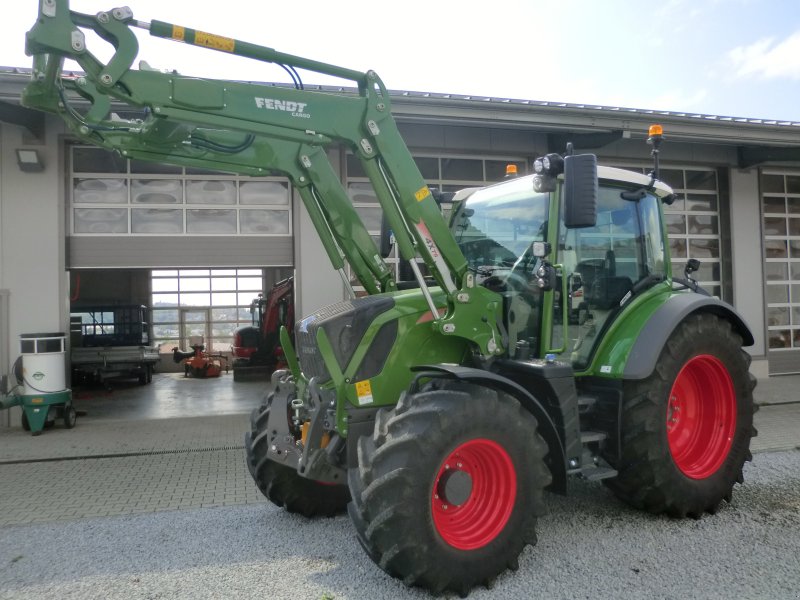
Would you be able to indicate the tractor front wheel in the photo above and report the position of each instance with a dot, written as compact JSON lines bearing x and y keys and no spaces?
{"x":686,"y":429}
{"x":281,"y":484}
{"x":449,"y":486}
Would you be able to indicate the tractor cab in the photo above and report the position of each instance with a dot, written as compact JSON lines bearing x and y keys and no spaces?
{"x":565,"y":263}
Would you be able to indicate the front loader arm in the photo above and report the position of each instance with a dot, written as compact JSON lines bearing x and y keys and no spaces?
{"x":253,"y":128}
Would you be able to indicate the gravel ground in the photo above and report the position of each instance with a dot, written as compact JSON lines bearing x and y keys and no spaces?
{"x":590,"y":546}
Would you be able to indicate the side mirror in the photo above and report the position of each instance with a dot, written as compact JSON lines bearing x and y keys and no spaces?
{"x":580,"y":191}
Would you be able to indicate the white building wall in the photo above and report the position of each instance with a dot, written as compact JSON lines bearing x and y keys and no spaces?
{"x":747,"y":260}
{"x":31,"y":242}
{"x":316,"y":282}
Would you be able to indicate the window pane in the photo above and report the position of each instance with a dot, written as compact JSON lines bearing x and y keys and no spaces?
{"x":774,"y":205}
{"x":701,"y":202}
{"x":166,"y":284}
{"x":167,"y":272}
{"x":672,"y":177}
{"x":362,"y":192}
{"x":220,"y":284}
{"x":156,"y":191}
{"x":100,"y":191}
{"x":165,"y":331}
{"x":701,"y":180}
{"x":144,"y":166}
{"x":264,"y":221}
{"x":165,"y":299}
{"x":466,"y":169}
{"x":676,"y":224}
{"x":195,"y":299}
{"x":250,"y":272}
{"x":211,"y":221}
{"x":97,"y":160}
{"x":780,"y":339}
{"x":772,"y":184}
{"x":706,"y":224}
{"x":793,"y":184}
{"x":195,"y":284}
{"x":774,"y":226}
{"x":428,"y":167}
{"x":100,"y":220}
{"x":354,"y":168}
{"x":193,"y":316}
{"x":778,"y":316}
{"x":224,"y":314}
{"x":218,"y":272}
{"x":371,"y":217}
{"x":794,"y":205}
{"x":794,"y":226}
{"x":677,"y":248}
{"x":165,"y":316}
{"x":250,"y":283}
{"x":264,"y":192}
{"x":210,"y":192}
{"x":223,"y":299}
{"x":777,"y":294}
{"x":704,"y":248}
{"x":775,"y":249}
{"x":156,"y":220}
{"x":776,"y":271}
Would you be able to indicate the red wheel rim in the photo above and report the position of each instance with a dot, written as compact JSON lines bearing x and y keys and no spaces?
{"x":473,"y":494}
{"x":701,"y":416}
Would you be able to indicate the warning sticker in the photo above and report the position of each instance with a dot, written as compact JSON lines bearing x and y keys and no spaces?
{"x":364,"y":392}
{"x":422,"y":193}
{"x":178,"y":33}
{"x":217,"y":42}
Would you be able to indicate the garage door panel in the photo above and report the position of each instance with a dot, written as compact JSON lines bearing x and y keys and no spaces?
{"x":185,"y":251}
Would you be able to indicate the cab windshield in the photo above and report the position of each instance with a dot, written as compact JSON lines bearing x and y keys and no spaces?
{"x":495,"y":229}
{"x":496,"y":225}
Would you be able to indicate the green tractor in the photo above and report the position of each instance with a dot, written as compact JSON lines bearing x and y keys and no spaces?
{"x":541,"y":335}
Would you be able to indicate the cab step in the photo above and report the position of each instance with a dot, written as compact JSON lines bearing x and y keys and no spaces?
{"x":596,"y":473}
{"x":588,"y":437}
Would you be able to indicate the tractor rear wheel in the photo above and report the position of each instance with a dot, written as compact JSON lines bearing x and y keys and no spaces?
{"x":686,"y":429}
{"x":281,"y":484}
{"x":449,"y":486}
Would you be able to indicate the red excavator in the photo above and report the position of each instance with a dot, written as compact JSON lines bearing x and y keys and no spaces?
{"x":256,"y":348}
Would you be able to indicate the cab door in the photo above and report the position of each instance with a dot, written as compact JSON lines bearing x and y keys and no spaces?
{"x":599,"y":268}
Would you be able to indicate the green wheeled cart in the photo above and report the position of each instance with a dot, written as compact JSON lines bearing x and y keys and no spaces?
{"x":40,"y":379}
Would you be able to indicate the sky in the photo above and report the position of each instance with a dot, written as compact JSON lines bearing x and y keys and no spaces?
{"x":736,"y":58}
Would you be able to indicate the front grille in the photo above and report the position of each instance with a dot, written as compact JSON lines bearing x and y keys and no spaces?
{"x":345,"y":324}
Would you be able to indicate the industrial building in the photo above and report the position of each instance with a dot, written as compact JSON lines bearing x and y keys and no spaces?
{"x":79,"y":225}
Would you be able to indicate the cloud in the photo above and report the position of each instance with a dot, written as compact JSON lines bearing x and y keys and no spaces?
{"x":768,"y":58}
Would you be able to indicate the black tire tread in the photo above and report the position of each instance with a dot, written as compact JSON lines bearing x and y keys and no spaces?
{"x":386,"y":488}
{"x":648,"y":478}
{"x":281,"y":484}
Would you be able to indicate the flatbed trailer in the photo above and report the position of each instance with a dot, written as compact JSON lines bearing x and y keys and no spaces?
{"x":114,"y":362}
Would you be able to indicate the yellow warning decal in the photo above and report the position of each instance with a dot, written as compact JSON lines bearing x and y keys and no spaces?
{"x":422,"y":193}
{"x":178,"y":33}
{"x":217,"y":42}
{"x":364,"y":392}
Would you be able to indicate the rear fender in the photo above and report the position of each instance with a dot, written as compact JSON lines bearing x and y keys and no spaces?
{"x":556,"y":459}
{"x":656,"y":331}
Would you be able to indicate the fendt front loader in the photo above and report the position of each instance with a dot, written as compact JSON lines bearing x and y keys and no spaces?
{"x":543,"y":334}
